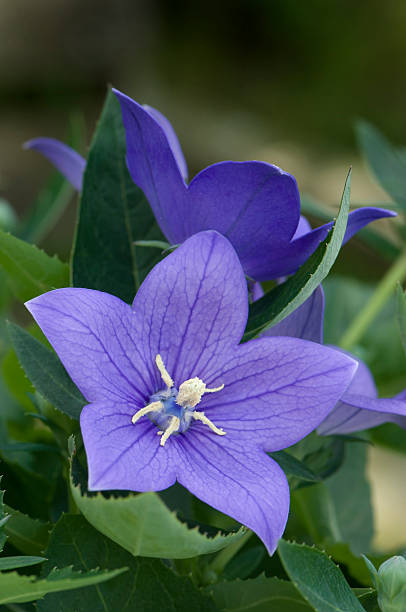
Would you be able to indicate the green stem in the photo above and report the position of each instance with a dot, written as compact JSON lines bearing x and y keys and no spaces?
{"x":225,"y":555}
{"x":356,"y":330}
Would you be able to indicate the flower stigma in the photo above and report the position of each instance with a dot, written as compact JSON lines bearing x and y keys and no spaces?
{"x":173,"y":410}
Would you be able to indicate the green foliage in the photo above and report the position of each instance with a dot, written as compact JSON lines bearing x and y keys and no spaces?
{"x":17,"y":588}
{"x":29,"y":536}
{"x":144,"y":525}
{"x":285,"y":298}
{"x":29,"y":270}
{"x":149,"y":585}
{"x":113,"y":215}
{"x":390,"y":582}
{"x":258,"y":595}
{"x":401,"y":314}
{"x":387,"y":163}
{"x":3,"y":520}
{"x":46,"y":372}
{"x":339,"y":509}
{"x":293,"y":467}
{"x":50,"y":204}
{"x":317,"y":578}
{"x":8,"y":218}
{"x":7,"y":563}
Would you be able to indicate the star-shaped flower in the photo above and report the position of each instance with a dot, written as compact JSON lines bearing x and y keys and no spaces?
{"x":174,"y":396}
{"x":254,"y":204}
{"x":359,"y":408}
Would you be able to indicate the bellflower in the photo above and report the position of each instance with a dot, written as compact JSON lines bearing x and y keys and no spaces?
{"x":359,"y":408}
{"x":254,"y":204}
{"x":174,"y":396}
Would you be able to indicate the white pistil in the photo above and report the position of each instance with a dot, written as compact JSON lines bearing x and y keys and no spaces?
{"x":153,"y":407}
{"x":173,"y":426}
{"x":200,"y":416}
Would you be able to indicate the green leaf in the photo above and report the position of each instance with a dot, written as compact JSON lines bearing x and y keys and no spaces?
{"x":113,"y":215}
{"x":28,"y":535}
{"x":4,"y":518}
{"x":29,"y":270}
{"x":46,"y":372}
{"x":387,"y":164}
{"x":285,"y":298}
{"x":246,"y":562}
{"x":144,"y":525}
{"x":317,"y":578}
{"x":16,"y":588}
{"x":401,"y":314}
{"x":258,"y":595}
{"x":7,"y":563}
{"x":149,"y":585}
{"x":8,"y":218}
{"x":339,"y":509}
{"x":51,"y":202}
{"x":293,"y":467}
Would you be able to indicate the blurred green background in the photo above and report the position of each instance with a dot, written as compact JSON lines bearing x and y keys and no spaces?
{"x":279,"y":80}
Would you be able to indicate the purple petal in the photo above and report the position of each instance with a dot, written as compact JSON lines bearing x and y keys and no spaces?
{"x":194,"y":305}
{"x":305,"y":322}
{"x":172,"y":139}
{"x":122,"y":455}
{"x":64,"y":158}
{"x":277,"y":390}
{"x":239,"y":481}
{"x":255,"y":290}
{"x":96,"y":336}
{"x":287,"y":258}
{"x":360,"y":408}
{"x":254,"y":204}
{"x":153,"y":167}
{"x":303,"y":227}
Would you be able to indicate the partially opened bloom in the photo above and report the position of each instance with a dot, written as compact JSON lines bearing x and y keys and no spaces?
{"x":359,"y":408}
{"x":254,"y":204}
{"x":174,"y":396}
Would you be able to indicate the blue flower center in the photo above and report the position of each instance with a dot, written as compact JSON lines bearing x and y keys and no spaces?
{"x":170,"y":409}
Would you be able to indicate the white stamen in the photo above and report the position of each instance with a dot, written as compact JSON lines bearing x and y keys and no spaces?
{"x":164,"y":372}
{"x":200,"y":416}
{"x":173,"y":426}
{"x":153,"y":407}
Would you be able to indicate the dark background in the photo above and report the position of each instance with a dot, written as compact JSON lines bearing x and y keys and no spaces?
{"x":281,"y":80}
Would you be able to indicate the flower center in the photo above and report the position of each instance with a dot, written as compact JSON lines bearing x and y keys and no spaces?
{"x":173,"y":410}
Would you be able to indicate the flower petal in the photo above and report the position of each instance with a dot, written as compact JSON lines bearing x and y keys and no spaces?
{"x":194,"y":305}
{"x":96,"y":337}
{"x":360,"y":408}
{"x":305,"y":322}
{"x":172,"y":138}
{"x":153,"y":167}
{"x":122,"y":455}
{"x":64,"y":158}
{"x":287,"y":258}
{"x":254,"y":204}
{"x":239,"y":480}
{"x":358,"y":412}
{"x":277,"y":390}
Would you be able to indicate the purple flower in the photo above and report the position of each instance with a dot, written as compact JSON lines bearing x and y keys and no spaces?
{"x":174,"y":396}
{"x":254,"y":204}
{"x":359,"y":408}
